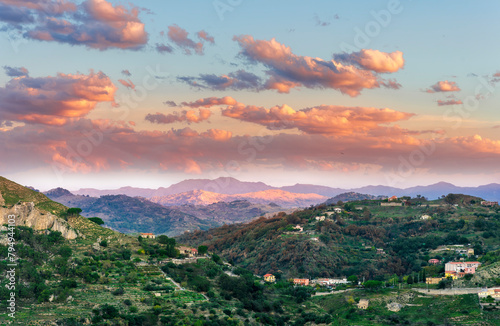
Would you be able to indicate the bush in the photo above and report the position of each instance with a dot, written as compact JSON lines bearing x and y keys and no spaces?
{"x":96,"y":220}
{"x":119,"y":291}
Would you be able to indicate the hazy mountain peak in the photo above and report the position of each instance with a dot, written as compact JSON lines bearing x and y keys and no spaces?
{"x":58,"y":192}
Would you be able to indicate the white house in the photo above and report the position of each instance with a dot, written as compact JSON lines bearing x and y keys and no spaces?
{"x":493,"y":292}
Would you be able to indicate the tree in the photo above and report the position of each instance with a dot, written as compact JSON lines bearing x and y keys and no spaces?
{"x":65,"y":251}
{"x":74,"y":211}
{"x":202,"y":250}
{"x":409,"y":280}
{"x":163,"y":239}
{"x":216,"y":259}
{"x":96,"y":220}
{"x":366,"y":214}
{"x":353,"y":279}
{"x":372,"y":284}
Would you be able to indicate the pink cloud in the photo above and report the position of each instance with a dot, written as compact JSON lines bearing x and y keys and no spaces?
{"x":54,"y":7}
{"x":443,"y":86}
{"x":287,"y":70}
{"x":210,"y":101}
{"x":375,"y":60}
{"x":188,"y":116}
{"x":449,"y":102}
{"x":218,"y":134}
{"x":324,"y":119}
{"x":128,"y":84}
{"x":204,"y":36}
{"x":117,"y":146}
{"x":180,"y":37}
{"x":94,"y":23}
{"x":54,"y":100}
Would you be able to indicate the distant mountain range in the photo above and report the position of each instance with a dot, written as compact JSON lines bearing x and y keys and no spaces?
{"x":132,"y":214}
{"x":231,"y":186}
{"x":136,"y":214}
{"x":275,"y":196}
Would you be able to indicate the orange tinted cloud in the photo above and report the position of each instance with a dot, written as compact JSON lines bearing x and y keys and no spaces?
{"x":186,"y":115}
{"x":288,"y":70}
{"x":210,"y":101}
{"x":180,"y":37}
{"x":218,"y":134}
{"x":443,"y":86}
{"x":375,"y":60}
{"x":128,"y":84}
{"x":449,"y":102}
{"x":54,"y":100}
{"x":89,"y":146}
{"x":94,"y":23}
{"x":324,"y":119}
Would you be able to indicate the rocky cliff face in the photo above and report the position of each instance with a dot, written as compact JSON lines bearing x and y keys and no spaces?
{"x":28,"y":215}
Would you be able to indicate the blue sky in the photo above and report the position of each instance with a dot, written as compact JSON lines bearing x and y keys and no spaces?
{"x":400,"y":59}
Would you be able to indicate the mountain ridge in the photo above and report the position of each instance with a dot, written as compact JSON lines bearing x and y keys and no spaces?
{"x":277,"y":196}
{"x":233,"y":186}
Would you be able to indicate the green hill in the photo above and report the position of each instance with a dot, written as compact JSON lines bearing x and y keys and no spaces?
{"x":346,"y":244}
{"x":106,"y":278}
{"x":14,"y":193}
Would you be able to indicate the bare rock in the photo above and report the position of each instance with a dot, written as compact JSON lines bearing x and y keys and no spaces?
{"x":28,"y":215}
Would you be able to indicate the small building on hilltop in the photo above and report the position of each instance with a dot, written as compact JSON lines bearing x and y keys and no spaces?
{"x":148,"y":235}
{"x":301,"y":281}
{"x":489,"y":203}
{"x":493,"y":292}
{"x":363,"y":304}
{"x":269,"y":278}
{"x":188,"y":251}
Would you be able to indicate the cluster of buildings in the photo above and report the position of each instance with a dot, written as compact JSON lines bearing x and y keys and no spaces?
{"x":492,"y":292}
{"x":270,"y":278}
{"x":189,"y":252}
{"x":459,"y":249}
{"x":489,"y":203}
{"x":460,"y":269}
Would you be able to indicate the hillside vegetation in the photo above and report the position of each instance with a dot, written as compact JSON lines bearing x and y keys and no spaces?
{"x":105,"y":278}
{"x":346,"y":243}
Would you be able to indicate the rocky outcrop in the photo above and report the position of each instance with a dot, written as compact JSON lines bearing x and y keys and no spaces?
{"x":28,"y":215}
{"x":2,"y":201}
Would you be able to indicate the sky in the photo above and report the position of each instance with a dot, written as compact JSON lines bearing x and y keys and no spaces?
{"x":106,"y":94}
